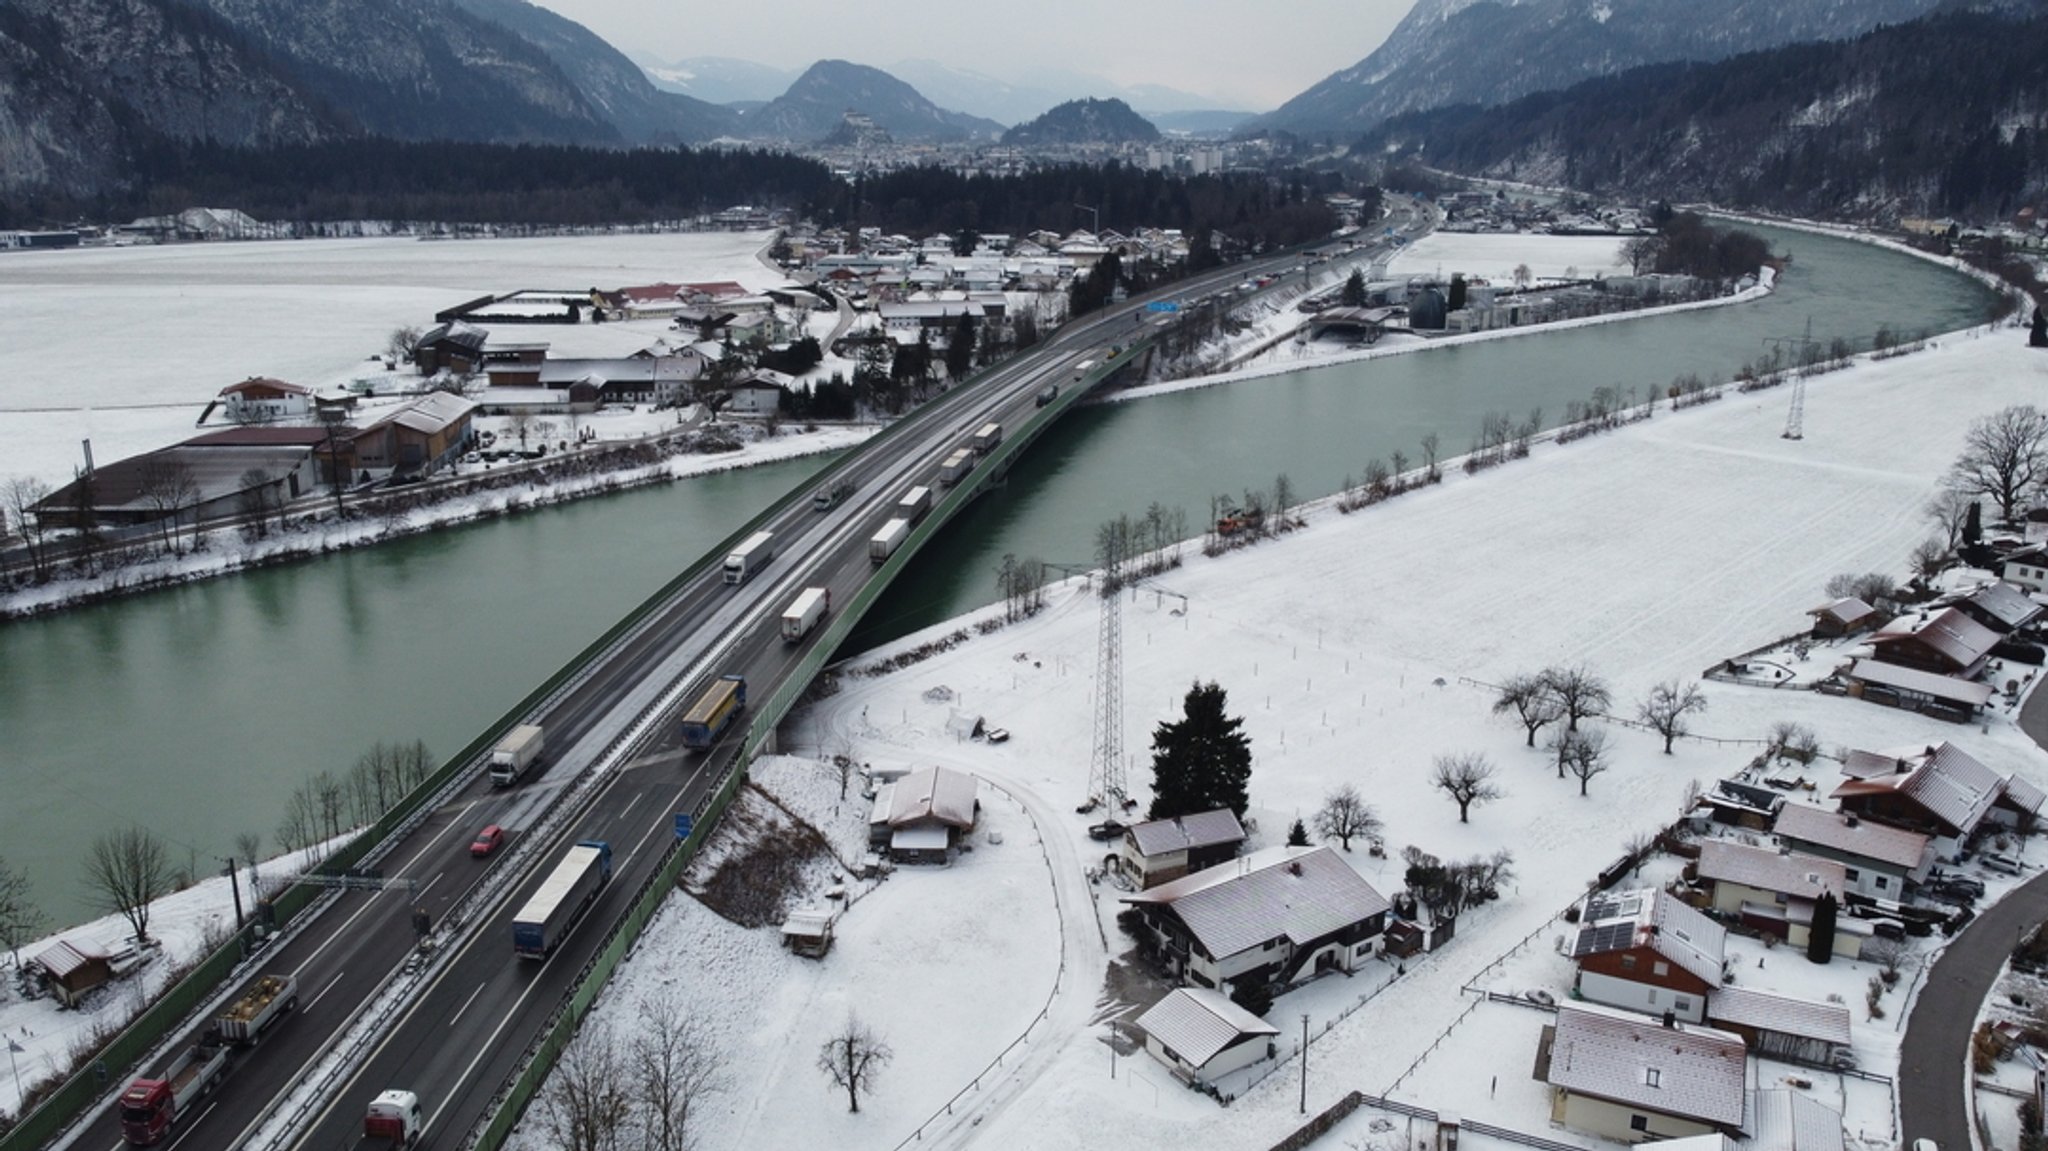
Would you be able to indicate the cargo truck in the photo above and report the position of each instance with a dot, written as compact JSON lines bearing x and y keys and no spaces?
{"x":714,"y":711}
{"x":1048,"y":394}
{"x":1082,"y":369}
{"x":749,"y":557}
{"x":914,"y":504}
{"x":150,"y":1108}
{"x":884,"y":543}
{"x":393,"y":1120}
{"x":561,"y":899}
{"x":957,"y":465}
{"x":515,"y":753}
{"x":986,"y":439}
{"x":805,"y":612}
{"x":273,"y":997}
{"x":825,"y":499}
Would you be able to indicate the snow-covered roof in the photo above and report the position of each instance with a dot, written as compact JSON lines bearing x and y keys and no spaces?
{"x":1949,"y":783}
{"x":1954,"y":635}
{"x":1684,"y":1070}
{"x":933,"y":793}
{"x":1742,"y":1007}
{"x":2005,"y":603}
{"x":1301,"y":893}
{"x":1925,"y":682}
{"x":629,"y":369}
{"x":1647,"y":917}
{"x":1851,"y":836}
{"x":1202,"y":829}
{"x":266,"y":384}
{"x":1788,"y":873}
{"x":1845,"y":611}
{"x":1785,"y":1120}
{"x":1198,"y":1024}
{"x":62,"y":957}
{"x":432,"y":413}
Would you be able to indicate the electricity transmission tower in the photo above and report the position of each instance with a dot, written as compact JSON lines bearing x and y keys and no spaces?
{"x":1808,"y":347}
{"x":1106,"y":764}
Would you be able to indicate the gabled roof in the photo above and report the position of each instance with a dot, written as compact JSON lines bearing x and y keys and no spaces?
{"x":1691,"y":1072}
{"x":266,"y":384}
{"x":1827,"y":1022}
{"x":1202,"y":829}
{"x":1954,"y":635}
{"x":1785,"y":1120}
{"x":1647,"y":917}
{"x":62,"y":957}
{"x":1799,"y":876}
{"x":1851,"y":836}
{"x":1949,"y":783}
{"x":432,"y":413}
{"x":934,"y":793}
{"x":1945,"y":687}
{"x":1301,"y":893}
{"x":1845,"y":611}
{"x":2006,"y":604}
{"x":462,"y":335}
{"x":1198,"y":1023}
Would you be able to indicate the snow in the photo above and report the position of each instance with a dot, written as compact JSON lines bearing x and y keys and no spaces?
{"x":1494,"y":256}
{"x":126,"y":345}
{"x":1692,"y":537}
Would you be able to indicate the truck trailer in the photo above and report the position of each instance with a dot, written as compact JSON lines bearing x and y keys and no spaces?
{"x":515,"y":753}
{"x":914,"y":504}
{"x":750,"y":557}
{"x":884,"y":543}
{"x":271,"y":999}
{"x":561,"y":899}
{"x":986,"y":438}
{"x":805,"y":612}
{"x":714,"y":711}
{"x":957,"y":465}
{"x":151,"y":1108}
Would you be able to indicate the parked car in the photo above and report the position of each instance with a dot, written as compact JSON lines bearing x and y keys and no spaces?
{"x":487,"y":841}
{"x":1996,"y":862}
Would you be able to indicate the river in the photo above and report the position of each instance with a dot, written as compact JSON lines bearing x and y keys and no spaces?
{"x":197,"y":711}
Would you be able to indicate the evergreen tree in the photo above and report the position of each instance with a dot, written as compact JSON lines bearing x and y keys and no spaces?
{"x":1820,"y":944}
{"x":2037,"y":330}
{"x":960,"y":349}
{"x":1456,"y":299}
{"x":1202,"y":761}
{"x":1354,"y":290}
{"x":1297,"y":836}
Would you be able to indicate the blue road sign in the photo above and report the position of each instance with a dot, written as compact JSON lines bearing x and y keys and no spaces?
{"x":682,"y":825}
{"x":1163,"y":306}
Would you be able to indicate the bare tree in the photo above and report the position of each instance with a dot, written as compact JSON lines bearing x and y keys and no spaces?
{"x":20,"y":918}
{"x":1532,"y":701}
{"x":299,"y":826}
{"x":1430,"y":473}
{"x":1666,"y":707}
{"x":674,"y":1069}
{"x":2005,"y":459}
{"x":1467,"y":779}
{"x":1345,"y":816}
{"x":22,"y":494}
{"x":1583,"y":755}
{"x":1930,"y":558}
{"x":1871,"y":587}
{"x":1579,"y":692}
{"x":1950,"y":511}
{"x":253,"y":500}
{"x":128,"y":869}
{"x":1641,"y":252}
{"x":587,"y":1103}
{"x":249,"y":849}
{"x":1889,"y":955}
{"x":521,"y":422}
{"x":853,"y":1058}
{"x":1792,"y":741}
{"x":1523,"y":276}
{"x":401,"y":344}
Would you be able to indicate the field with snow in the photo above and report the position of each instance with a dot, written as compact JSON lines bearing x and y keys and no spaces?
{"x":1495,"y":256}
{"x":1357,"y":649}
{"x":127,"y":345}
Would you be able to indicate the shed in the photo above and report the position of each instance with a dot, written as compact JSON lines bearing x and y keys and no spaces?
{"x":807,"y":931}
{"x":72,"y":970}
{"x":1779,"y":1025}
{"x":1201,"y":1035}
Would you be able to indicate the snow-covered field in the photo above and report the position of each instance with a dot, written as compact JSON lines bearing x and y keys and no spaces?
{"x":1495,"y":256}
{"x":127,"y":345}
{"x":1357,"y":649}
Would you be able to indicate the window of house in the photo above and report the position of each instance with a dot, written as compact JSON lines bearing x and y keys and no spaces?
{"x":1849,"y":873}
{"x":1883,"y":881}
{"x":1628,"y":963}
{"x":1652,"y":1077}
{"x":1680,"y":1003}
{"x":1653,"y":997}
{"x":1639,"y":1122}
{"x":1660,"y":968}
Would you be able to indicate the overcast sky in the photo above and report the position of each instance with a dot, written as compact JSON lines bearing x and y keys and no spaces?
{"x":1247,"y":55}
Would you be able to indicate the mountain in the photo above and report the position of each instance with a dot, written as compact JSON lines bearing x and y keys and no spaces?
{"x":817,"y":103}
{"x":1208,"y":122}
{"x":1490,"y":51}
{"x":1013,"y":102}
{"x":622,"y":92}
{"x":1874,"y":128}
{"x":1085,"y":122}
{"x":721,"y":79}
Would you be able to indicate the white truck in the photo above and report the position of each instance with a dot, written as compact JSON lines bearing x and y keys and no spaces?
{"x":914,"y":504}
{"x":515,"y":753}
{"x":986,"y":439}
{"x":273,"y":997}
{"x":805,"y":612}
{"x":884,"y":543}
{"x":957,"y":465}
{"x":751,"y":556}
{"x":393,"y":1120}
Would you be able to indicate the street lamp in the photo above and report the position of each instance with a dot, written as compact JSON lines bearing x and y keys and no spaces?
{"x":14,"y":1049}
{"x":1094,"y":219}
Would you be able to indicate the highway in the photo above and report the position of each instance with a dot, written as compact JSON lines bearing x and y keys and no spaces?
{"x":466,"y":1027}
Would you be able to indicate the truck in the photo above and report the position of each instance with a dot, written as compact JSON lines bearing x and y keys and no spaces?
{"x":804,"y":613}
{"x":272,"y":998}
{"x":561,"y":899}
{"x":986,"y":439}
{"x":751,"y":556}
{"x":914,"y":504}
{"x":957,"y":465}
{"x":884,"y":543}
{"x":1082,"y":369}
{"x":393,"y":1120}
{"x":1048,"y":394}
{"x":714,"y":711}
{"x":515,"y":753}
{"x":150,"y":1108}
{"x":825,"y":499}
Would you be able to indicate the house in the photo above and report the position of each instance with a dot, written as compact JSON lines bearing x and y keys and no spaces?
{"x":2027,"y":567}
{"x":1737,"y":804}
{"x":1781,"y":1119}
{"x":1771,"y":891}
{"x":760,"y":393}
{"x":1630,"y":1078}
{"x":416,"y":439}
{"x":1780,"y":1026}
{"x":1844,"y":617}
{"x":920,"y":817}
{"x":71,"y":971}
{"x":1879,"y":861}
{"x":1929,"y":693}
{"x":1202,"y":1036}
{"x":2000,"y":607}
{"x":1644,"y":950}
{"x":1945,"y":642}
{"x":261,"y":400}
{"x":454,"y":347}
{"x":220,"y":473}
{"x":1165,"y":849}
{"x":1940,"y":790}
{"x":1276,"y":917}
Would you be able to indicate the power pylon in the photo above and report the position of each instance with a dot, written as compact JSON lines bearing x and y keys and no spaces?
{"x":1106,"y":764}
{"x":1795,"y":420}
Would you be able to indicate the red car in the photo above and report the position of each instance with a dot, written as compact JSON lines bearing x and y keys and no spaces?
{"x":487,"y":841}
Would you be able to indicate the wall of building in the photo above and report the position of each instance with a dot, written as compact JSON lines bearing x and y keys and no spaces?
{"x":1647,"y":998}
{"x":1613,"y":1121}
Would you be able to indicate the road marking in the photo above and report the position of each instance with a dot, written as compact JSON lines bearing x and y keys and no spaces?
{"x":186,"y":1129}
{"x":428,"y":885}
{"x":326,"y":989}
{"x":465,"y":1004}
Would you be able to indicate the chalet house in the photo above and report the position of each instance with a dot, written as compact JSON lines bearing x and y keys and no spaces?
{"x":1161,"y":850}
{"x":1944,"y":641}
{"x":261,"y":400}
{"x":1844,"y":617}
{"x":2027,"y":568}
{"x":454,"y":347}
{"x":1202,"y":1036}
{"x":1646,"y":951}
{"x":921,"y":817}
{"x":417,"y":439}
{"x":1771,"y":891}
{"x":1633,"y":1079}
{"x":2001,"y":607}
{"x":1878,"y":861}
{"x":1946,"y":697}
{"x":760,"y":393}
{"x":1780,"y":1026}
{"x":1276,"y":917}
{"x":1941,"y":791}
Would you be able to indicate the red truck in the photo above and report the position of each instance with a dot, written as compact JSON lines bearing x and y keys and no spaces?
{"x":150,"y":1108}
